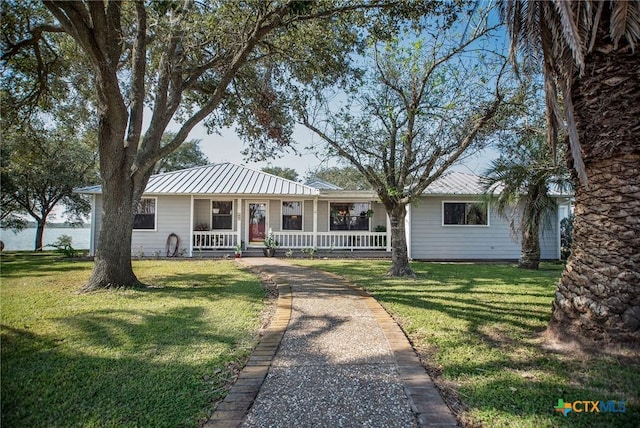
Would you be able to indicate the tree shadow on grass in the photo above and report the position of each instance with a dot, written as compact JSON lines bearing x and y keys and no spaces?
{"x":122,"y":368}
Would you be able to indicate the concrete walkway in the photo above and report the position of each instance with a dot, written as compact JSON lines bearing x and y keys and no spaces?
{"x":332,"y":357}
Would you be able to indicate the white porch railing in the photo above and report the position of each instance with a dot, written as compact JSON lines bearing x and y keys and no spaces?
{"x":333,"y":240}
{"x":211,"y":240}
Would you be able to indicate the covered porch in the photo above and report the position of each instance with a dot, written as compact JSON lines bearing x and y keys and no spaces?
{"x":321,"y":224}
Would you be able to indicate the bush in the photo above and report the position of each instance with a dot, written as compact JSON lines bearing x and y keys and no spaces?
{"x":566,"y":231}
{"x":63,"y":246}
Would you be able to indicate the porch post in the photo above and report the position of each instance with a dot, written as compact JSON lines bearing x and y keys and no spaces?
{"x":192,"y":204}
{"x":315,"y":222}
{"x":388,"y":232}
{"x":239,"y":221}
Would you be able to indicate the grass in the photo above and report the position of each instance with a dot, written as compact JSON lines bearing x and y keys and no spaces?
{"x":154,"y":357}
{"x":478,"y":327}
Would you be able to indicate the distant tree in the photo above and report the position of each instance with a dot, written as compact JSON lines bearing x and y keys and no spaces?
{"x":518,"y":184}
{"x":40,"y":171}
{"x":346,"y":177}
{"x":187,"y":155}
{"x":288,"y":173}
{"x":421,"y":108}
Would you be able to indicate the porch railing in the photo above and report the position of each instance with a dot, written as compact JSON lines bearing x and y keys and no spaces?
{"x":333,"y":240}
{"x":211,"y":240}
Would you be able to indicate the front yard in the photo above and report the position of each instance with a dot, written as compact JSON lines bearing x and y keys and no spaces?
{"x":156,"y":357}
{"x":477,"y":327}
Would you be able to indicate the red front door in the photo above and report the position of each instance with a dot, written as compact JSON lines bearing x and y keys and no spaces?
{"x":257,"y":221}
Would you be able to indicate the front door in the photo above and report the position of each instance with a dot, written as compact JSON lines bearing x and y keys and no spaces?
{"x":257,"y":222}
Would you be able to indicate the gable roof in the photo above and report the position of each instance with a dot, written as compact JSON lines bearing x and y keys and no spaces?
{"x":220,"y":179}
{"x":456,"y":183}
{"x":322,"y":185}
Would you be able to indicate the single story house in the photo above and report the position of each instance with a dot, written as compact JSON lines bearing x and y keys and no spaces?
{"x":219,"y":206}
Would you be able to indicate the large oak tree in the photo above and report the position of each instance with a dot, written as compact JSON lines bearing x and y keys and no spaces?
{"x":190,"y":62}
{"x":422,"y":107}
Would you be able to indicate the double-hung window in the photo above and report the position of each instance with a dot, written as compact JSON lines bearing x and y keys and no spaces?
{"x":222,"y":215}
{"x":292,"y":215}
{"x":465,"y":214}
{"x":145,"y":215}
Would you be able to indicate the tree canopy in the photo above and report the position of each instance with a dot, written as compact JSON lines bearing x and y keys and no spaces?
{"x":422,"y":106}
{"x":288,"y":173}
{"x":186,"y":156}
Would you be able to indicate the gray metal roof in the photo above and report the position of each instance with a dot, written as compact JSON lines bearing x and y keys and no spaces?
{"x":456,"y":183}
{"x":220,"y":179}
{"x":322,"y":185}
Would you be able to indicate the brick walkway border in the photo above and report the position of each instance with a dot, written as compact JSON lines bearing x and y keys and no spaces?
{"x":424,"y":398}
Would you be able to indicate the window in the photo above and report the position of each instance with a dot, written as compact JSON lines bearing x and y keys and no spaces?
{"x":145,"y":215}
{"x":464,"y":213}
{"x":292,"y":215}
{"x":349,"y":215}
{"x":222,"y":215}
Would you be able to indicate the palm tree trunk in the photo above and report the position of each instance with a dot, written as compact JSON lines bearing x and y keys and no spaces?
{"x":530,"y":248}
{"x":598,"y":296}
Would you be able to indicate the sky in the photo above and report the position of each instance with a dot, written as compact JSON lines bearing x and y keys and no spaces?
{"x":228,"y":147}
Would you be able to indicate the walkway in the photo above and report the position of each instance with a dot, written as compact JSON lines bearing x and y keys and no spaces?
{"x":332,"y":357}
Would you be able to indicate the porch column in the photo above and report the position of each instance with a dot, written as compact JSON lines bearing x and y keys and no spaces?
{"x":192,"y":204}
{"x":239,"y":221}
{"x":388,"y":232}
{"x":315,"y":222}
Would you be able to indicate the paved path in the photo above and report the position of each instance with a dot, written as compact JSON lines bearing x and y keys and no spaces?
{"x":332,"y":357}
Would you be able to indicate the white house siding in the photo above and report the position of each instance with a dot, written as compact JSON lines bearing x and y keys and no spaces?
{"x":433,"y":241}
{"x":323,"y":216}
{"x":96,"y":222}
{"x":172,"y":216}
{"x":379,"y":217}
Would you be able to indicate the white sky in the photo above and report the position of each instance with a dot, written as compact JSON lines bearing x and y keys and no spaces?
{"x":228,"y":147}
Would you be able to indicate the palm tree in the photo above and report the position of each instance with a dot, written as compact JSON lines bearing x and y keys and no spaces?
{"x":519,"y":183}
{"x":588,"y":54}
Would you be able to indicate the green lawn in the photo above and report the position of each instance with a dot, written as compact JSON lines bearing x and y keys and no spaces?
{"x":154,"y":357}
{"x":479,"y":326}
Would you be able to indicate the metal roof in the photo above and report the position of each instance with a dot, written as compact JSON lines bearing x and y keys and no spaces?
{"x":456,"y":183}
{"x":220,"y":179}
{"x":322,"y":185}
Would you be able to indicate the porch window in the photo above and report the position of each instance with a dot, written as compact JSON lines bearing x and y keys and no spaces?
{"x":222,"y":215}
{"x":349,"y":215}
{"x":292,"y":215}
{"x":145,"y":215}
{"x":464,"y":213}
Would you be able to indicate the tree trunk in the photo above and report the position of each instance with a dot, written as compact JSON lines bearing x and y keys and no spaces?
{"x":40,"y":224}
{"x":399,"y":257}
{"x":598,"y":296}
{"x":530,"y":248}
{"x":113,"y":268}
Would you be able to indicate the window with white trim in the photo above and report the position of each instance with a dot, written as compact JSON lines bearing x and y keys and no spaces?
{"x":464,"y":214}
{"x":221,"y":215}
{"x":145,"y":215}
{"x":349,"y":215}
{"x":291,"y":215}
